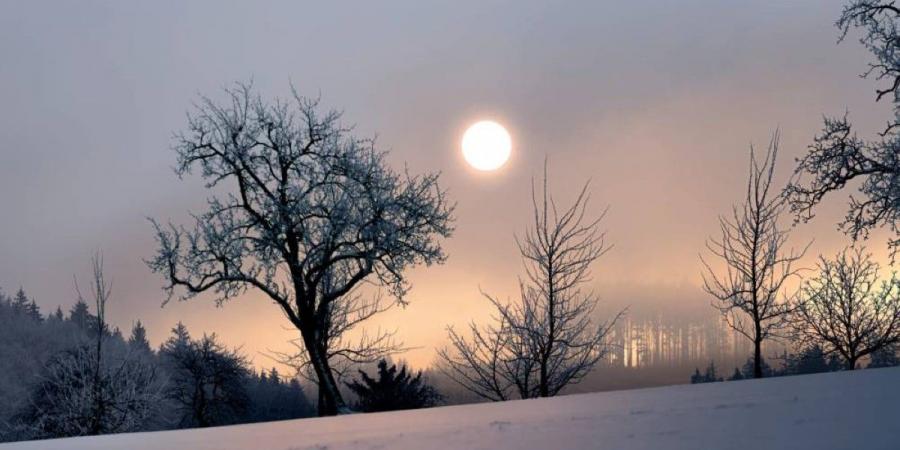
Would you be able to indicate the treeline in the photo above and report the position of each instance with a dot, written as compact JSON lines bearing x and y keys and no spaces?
{"x":72,"y":374}
{"x":813,"y":359}
{"x":54,"y":382}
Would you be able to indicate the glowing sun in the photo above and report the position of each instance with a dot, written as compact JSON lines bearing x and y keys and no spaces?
{"x":486,"y":145}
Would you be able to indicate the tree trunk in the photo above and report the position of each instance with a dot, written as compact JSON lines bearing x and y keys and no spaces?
{"x":330,"y":401}
{"x":757,"y":359}
{"x":851,"y":363}
{"x":544,"y":386}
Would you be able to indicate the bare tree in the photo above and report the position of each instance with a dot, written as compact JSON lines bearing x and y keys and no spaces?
{"x":101,"y":291}
{"x":838,"y":157}
{"x":547,"y":340}
{"x":751,"y":292}
{"x":847,"y":310}
{"x":208,"y":381}
{"x":93,"y":389}
{"x":493,"y":363}
{"x":314,"y":212}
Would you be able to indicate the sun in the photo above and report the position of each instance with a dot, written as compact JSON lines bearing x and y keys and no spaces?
{"x":486,"y":145}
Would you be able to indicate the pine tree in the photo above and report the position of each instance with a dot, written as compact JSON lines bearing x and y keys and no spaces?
{"x":180,"y":339}
{"x":138,"y":340}
{"x":711,"y":375}
{"x":886,"y":357}
{"x":273,"y":399}
{"x":57,"y":315}
{"x":811,"y":360}
{"x":34,"y":312}
{"x":748,"y":369}
{"x":392,"y":390}
{"x":20,"y":303}
{"x":696,"y":377}
{"x":80,"y":315}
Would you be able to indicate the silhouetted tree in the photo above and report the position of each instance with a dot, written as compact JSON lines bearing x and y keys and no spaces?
{"x":710,"y":376}
{"x":810,"y":359}
{"x":736,"y":376}
{"x":20,"y":302}
{"x":838,"y":157}
{"x":847,"y":310}
{"x":313,"y":213}
{"x":271,"y":398}
{"x":886,"y":356}
{"x":696,"y":377}
{"x":138,"y":340}
{"x":547,"y":340}
{"x":80,"y":315}
{"x":392,"y":390}
{"x":750,"y":292}
{"x":749,"y":369}
{"x":206,"y":380}
{"x":25,"y":307}
{"x":57,"y":315}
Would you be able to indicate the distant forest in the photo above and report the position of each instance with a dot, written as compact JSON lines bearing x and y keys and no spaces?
{"x":52,"y":385}
{"x":38,"y":349}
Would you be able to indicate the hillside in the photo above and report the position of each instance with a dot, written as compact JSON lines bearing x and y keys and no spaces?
{"x":858,"y":410}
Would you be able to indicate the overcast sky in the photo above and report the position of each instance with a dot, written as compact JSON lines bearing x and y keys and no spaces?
{"x":657,"y":102}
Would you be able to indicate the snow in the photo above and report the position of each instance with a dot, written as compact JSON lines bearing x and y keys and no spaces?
{"x":845,"y":410}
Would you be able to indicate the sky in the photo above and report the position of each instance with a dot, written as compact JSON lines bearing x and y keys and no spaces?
{"x":655,"y":102}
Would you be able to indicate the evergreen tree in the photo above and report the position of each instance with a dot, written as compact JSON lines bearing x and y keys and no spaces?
{"x":696,"y":378}
{"x":20,"y":303}
{"x":273,"y":399}
{"x":274,"y":376}
{"x":710,"y":376}
{"x":180,"y":339}
{"x":138,"y":340}
{"x":57,"y":315}
{"x":886,"y":357}
{"x":80,"y":315}
{"x":811,"y":360}
{"x":393,"y":390}
{"x":748,"y":369}
{"x":34,"y":312}
{"x":737,"y":375}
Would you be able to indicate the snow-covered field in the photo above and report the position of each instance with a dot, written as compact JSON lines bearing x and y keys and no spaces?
{"x":858,"y":410}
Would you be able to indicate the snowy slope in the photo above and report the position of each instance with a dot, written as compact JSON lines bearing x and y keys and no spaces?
{"x":859,"y":410}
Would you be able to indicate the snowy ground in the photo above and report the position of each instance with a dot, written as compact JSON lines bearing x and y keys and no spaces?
{"x":859,"y":410}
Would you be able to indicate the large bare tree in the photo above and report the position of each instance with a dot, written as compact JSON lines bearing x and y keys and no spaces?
{"x":548,"y":340}
{"x":305,"y":212}
{"x":751,"y":290}
{"x":847,"y":309}
{"x":838,"y":157}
